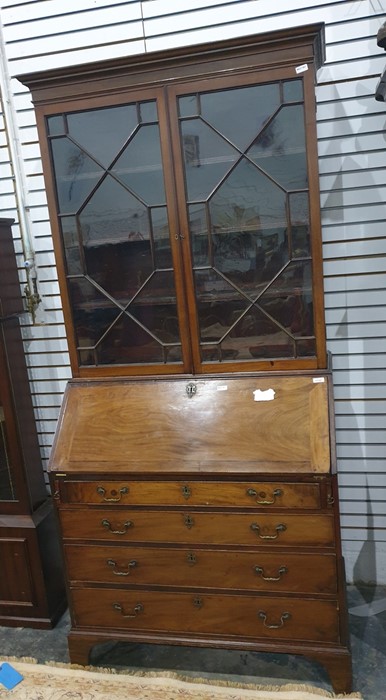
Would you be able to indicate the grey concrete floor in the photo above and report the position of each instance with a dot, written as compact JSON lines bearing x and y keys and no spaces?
{"x":367,"y":619}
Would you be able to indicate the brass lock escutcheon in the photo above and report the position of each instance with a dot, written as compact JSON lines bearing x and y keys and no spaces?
{"x":278,"y":529}
{"x":191,"y":558}
{"x":198,"y":602}
{"x":122,"y":570}
{"x":115,"y":495}
{"x":260,"y":571}
{"x":188,"y":521}
{"x":186,"y":491}
{"x":191,"y":389}
{"x":274,"y":626}
{"x":107,"y":524}
{"x":261,"y":497}
{"x":136,"y":610}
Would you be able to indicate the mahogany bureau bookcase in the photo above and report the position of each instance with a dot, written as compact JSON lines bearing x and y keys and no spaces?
{"x":193,"y":465}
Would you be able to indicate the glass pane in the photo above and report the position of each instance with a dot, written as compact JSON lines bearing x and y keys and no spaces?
{"x":6,"y":488}
{"x":300,"y":231}
{"x":93,"y":312}
{"x":56,"y":126}
{"x":188,"y":106}
{"x":128,"y":343}
{"x":306,"y":347}
{"x":246,"y":201}
{"x":160,"y":227}
{"x":140,"y":165}
{"x":103,"y":132}
{"x":256,"y":336}
{"x":289,"y":299}
{"x":218,"y":305}
{"x":198,"y":234}
{"x":280,"y":148}
{"x":148,"y":111}
{"x":293,"y":91}
{"x":116,"y":238}
{"x":75,"y":173}
{"x":207,"y":158}
{"x":155,"y":307}
{"x":239,"y":114}
{"x":71,"y":245}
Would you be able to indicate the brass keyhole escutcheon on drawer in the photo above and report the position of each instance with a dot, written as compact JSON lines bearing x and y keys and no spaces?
{"x":278,"y":529}
{"x":260,"y":571}
{"x":274,"y":626}
{"x":191,"y":558}
{"x":188,"y":521}
{"x":115,"y":495}
{"x":136,"y":610}
{"x":191,"y":389}
{"x":198,"y":603}
{"x":108,"y":526}
{"x":123,"y":571}
{"x":186,"y":491}
{"x":261,"y":497}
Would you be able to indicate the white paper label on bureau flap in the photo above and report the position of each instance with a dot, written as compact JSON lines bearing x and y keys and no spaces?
{"x":267,"y":395}
{"x":318,"y":380}
{"x":222,"y":387}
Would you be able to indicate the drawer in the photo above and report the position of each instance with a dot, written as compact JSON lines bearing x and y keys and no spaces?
{"x":200,"y":527}
{"x":205,"y":568}
{"x":245,"y":616}
{"x":242,"y":494}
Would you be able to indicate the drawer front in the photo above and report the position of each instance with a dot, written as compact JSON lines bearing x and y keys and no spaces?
{"x":205,"y":568}
{"x":242,"y":494}
{"x":243,"y":616}
{"x":198,"y":527}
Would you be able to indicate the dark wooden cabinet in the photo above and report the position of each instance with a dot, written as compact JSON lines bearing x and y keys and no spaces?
{"x":31,"y":582}
{"x":194,"y":464}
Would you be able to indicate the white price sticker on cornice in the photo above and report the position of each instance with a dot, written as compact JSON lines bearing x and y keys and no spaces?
{"x":301,"y":69}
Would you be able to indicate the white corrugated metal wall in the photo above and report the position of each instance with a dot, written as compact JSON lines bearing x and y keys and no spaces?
{"x":39,"y":34}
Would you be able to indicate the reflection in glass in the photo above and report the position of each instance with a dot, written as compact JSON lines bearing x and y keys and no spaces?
{"x":246,"y":201}
{"x":71,"y":245}
{"x":56,"y":125}
{"x":148,"y":111}
{"x":128,"y":343}
{"x":155,"y":307}
{"x":207,"y":158}
{"x":116,"y":235}
{"x":239,"y":114}
{"x":250,"y":229}
{"x":6,"y":487}
{"x":188,"y":106}
{"x":103,"y":132}
{"x":280,"y":148}
{"x":289,"y":301}
{"x":161,"y":238}
{"x":293,"y":90}
{"x":75,"y":173}
{"x":199,"y":234}
{"x":140,"y":165}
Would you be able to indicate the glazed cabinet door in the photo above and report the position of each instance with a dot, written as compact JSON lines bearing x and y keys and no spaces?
{"x":189,"y":233}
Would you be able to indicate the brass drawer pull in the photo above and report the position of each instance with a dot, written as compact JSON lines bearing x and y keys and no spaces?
{"x":259,"y":570}
{"x":261,"y":497}
{"x":108,"y":526}
{"x":115,"y":495}
{"x":263,"y":616}
{"x":119,"y":608}
{"x":117,"y":572}
{"x":279,"y":528}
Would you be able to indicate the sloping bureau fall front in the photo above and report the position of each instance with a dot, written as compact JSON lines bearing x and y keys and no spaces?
{"x":203,"y":512}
